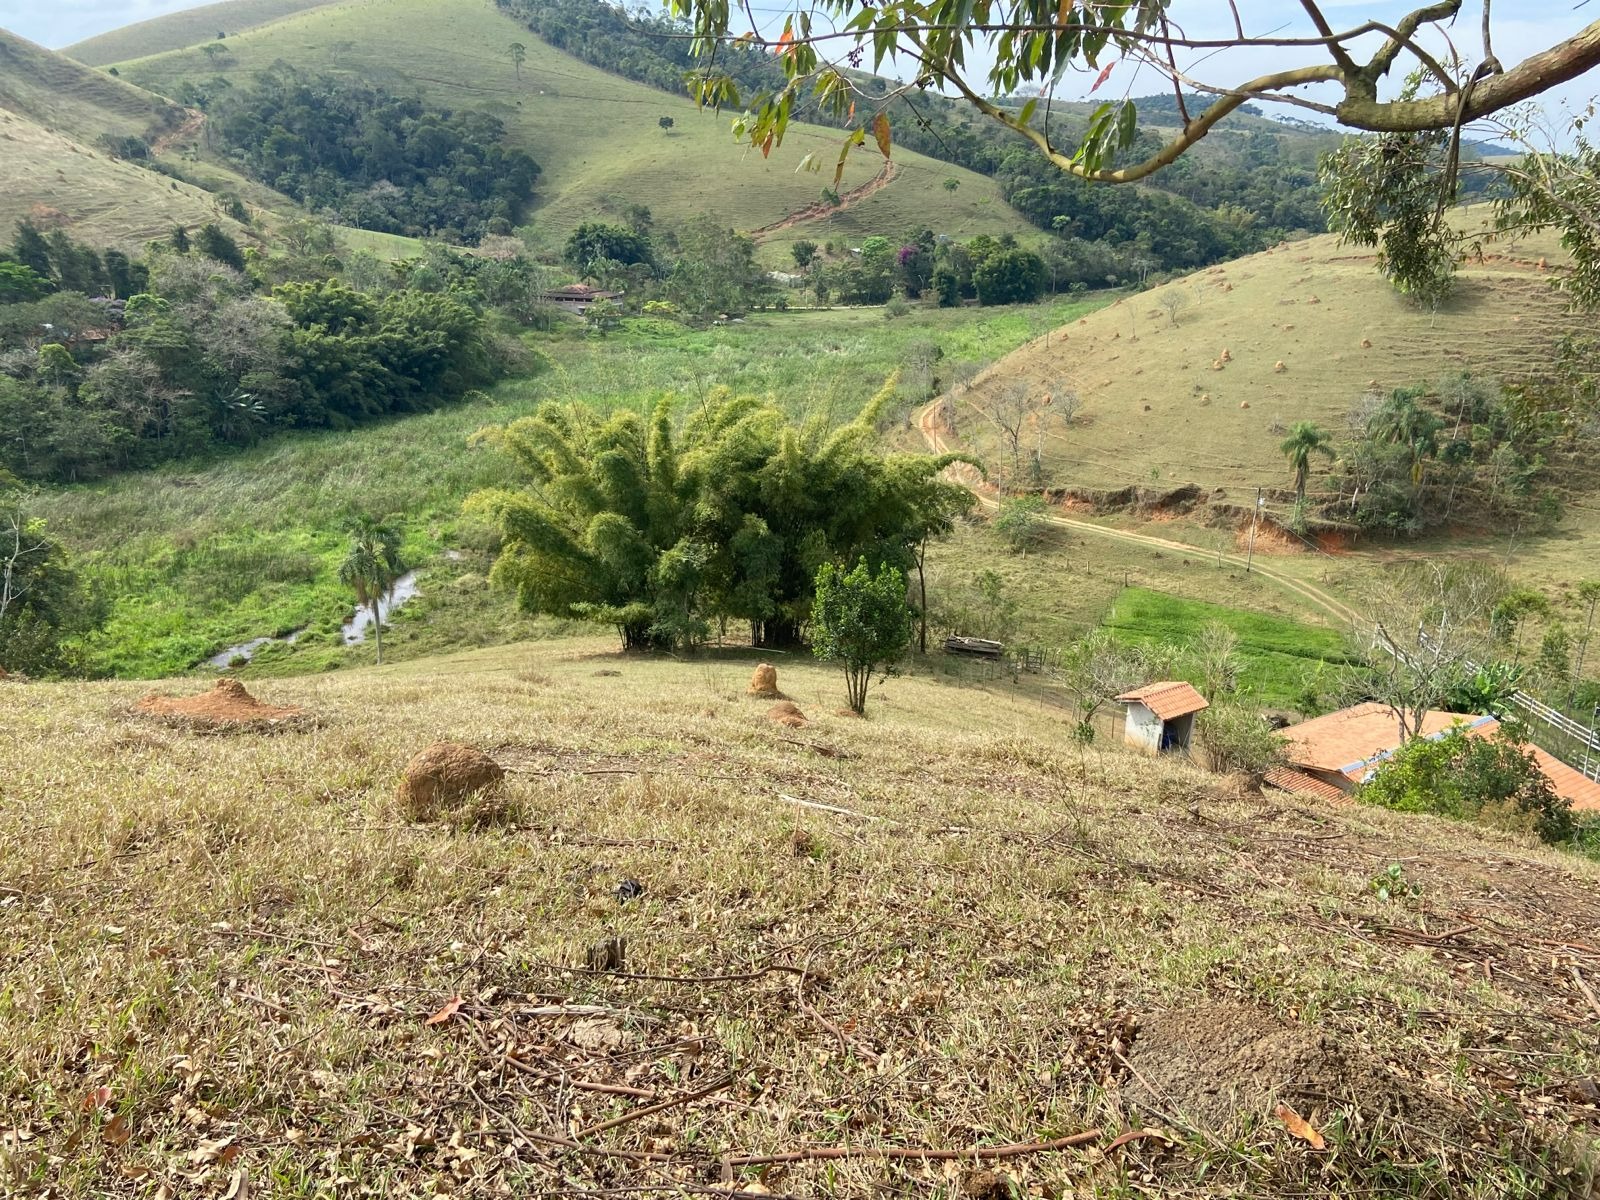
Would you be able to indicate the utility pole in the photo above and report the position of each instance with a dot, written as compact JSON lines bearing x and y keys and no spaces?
{"x":1255,"y":516}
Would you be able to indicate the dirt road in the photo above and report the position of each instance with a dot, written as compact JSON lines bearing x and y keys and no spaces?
{"x":927,"y":424}
{"x":815,"y":212}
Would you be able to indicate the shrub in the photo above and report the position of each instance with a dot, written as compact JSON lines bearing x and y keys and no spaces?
{"x":1491,"y":780}
{"x":1238,"y":742}
{"x":898,"y":306}
{"x":862,"y":621}
{"x":1020,"y":523}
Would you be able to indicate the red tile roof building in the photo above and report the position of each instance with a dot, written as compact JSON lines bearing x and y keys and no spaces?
{"x":1343,"y":749}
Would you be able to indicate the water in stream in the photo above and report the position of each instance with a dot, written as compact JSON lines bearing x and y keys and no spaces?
{"x":355,"y":629}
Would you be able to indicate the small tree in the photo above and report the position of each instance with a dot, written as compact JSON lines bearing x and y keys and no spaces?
{"x":666,"y":124}
{"x":1589,"y":597}
{"x":1020,"y":523}
{"x":1238,"y":742}
{"x":518,"y":54}
{"x":1304,"y":440}
{"x":1174,"y":301}
{"x":1432,"y":625}
{"x":1216,"y":652}
{"x":861,"y":621}
{"x":1098,"y":668}
{"x":214,"y":243}
{"x":804,"y":253}
{"x":371,"y":566}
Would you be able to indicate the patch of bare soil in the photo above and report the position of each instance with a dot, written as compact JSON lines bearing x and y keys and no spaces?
{"x":227,"y":707}
{"x":1221,"y":1061}
{"x":1222,"y":1067}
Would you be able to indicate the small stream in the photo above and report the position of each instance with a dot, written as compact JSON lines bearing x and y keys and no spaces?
{"x":355,"y":629}
{"x":247,"y":650}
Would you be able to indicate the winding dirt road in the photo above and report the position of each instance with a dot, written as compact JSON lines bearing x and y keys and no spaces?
{"x":815,"y":212}
{"x":928,"y":425}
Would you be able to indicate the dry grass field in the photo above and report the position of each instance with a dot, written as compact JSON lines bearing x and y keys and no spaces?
{"x":228,"y":965}
{"x":1182,"y":383}
{"x":53,"y":112}
{"x":63,"y":184}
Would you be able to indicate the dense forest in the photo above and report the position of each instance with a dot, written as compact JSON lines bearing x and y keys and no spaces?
{"x":364,"y":157}
{"x":107,"y":363}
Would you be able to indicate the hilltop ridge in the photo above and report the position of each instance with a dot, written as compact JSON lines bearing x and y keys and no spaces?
{"x":186,"y":27}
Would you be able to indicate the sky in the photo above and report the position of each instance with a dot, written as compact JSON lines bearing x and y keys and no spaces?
{"x":1522,"y":27}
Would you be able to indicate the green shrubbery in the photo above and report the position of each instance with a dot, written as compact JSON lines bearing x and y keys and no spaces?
{"x":196,"y":357}
{"x":668,"y":533}
{"x":1491,"y":780}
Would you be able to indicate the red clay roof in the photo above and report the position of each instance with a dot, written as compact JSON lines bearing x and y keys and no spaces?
{"x":1351,"y":740}
{"x":1167,"y":700}
{"x":1354,"y":740}
{"x":1301,"y":784}
{"x":1573,"y":784}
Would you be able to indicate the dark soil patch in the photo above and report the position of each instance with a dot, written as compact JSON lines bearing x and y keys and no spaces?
{"x":1219,"y":1062}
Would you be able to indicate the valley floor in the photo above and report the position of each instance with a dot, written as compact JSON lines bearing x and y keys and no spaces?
{"x":229,"y":966}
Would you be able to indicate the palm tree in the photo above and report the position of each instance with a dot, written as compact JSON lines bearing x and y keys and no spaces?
{"x":371,"y":566}
{"x":1588,"y":594}
{"x":1304,"y":440}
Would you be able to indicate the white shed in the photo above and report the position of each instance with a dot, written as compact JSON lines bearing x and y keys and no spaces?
{"x":1160,"y":716}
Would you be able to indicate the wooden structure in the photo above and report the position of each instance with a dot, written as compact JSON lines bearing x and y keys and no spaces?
{"x":578,"y":298}
{"x":974,"y":647}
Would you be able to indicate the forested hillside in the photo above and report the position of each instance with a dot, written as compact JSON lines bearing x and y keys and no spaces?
{"x":1253,"y":182}
{"x":375,"y":160}
{"x":599,"y":139}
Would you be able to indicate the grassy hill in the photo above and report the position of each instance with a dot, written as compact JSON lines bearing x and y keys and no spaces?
{"x":943,"y":927}
{"x":1156,"y":410}
{"x":595,"y":135}
{"x":65,"y":96}
{"x":174,"y":31}
{"x":53,"y":112}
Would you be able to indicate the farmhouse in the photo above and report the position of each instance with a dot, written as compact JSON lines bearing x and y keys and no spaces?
{"x":1332,"y":754}
{"x":578,"y":297}
{"x":1160,"y":716}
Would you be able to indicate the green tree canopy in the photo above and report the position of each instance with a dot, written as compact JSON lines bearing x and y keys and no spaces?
{"x":596,"y":242}
{"x":665,"y":531}
{"x":371,"y":565}
{"x":1304,"y":440}
{"x":860,"y":620}
{"x":42,"y":603}
{"x":1489,"y":779}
